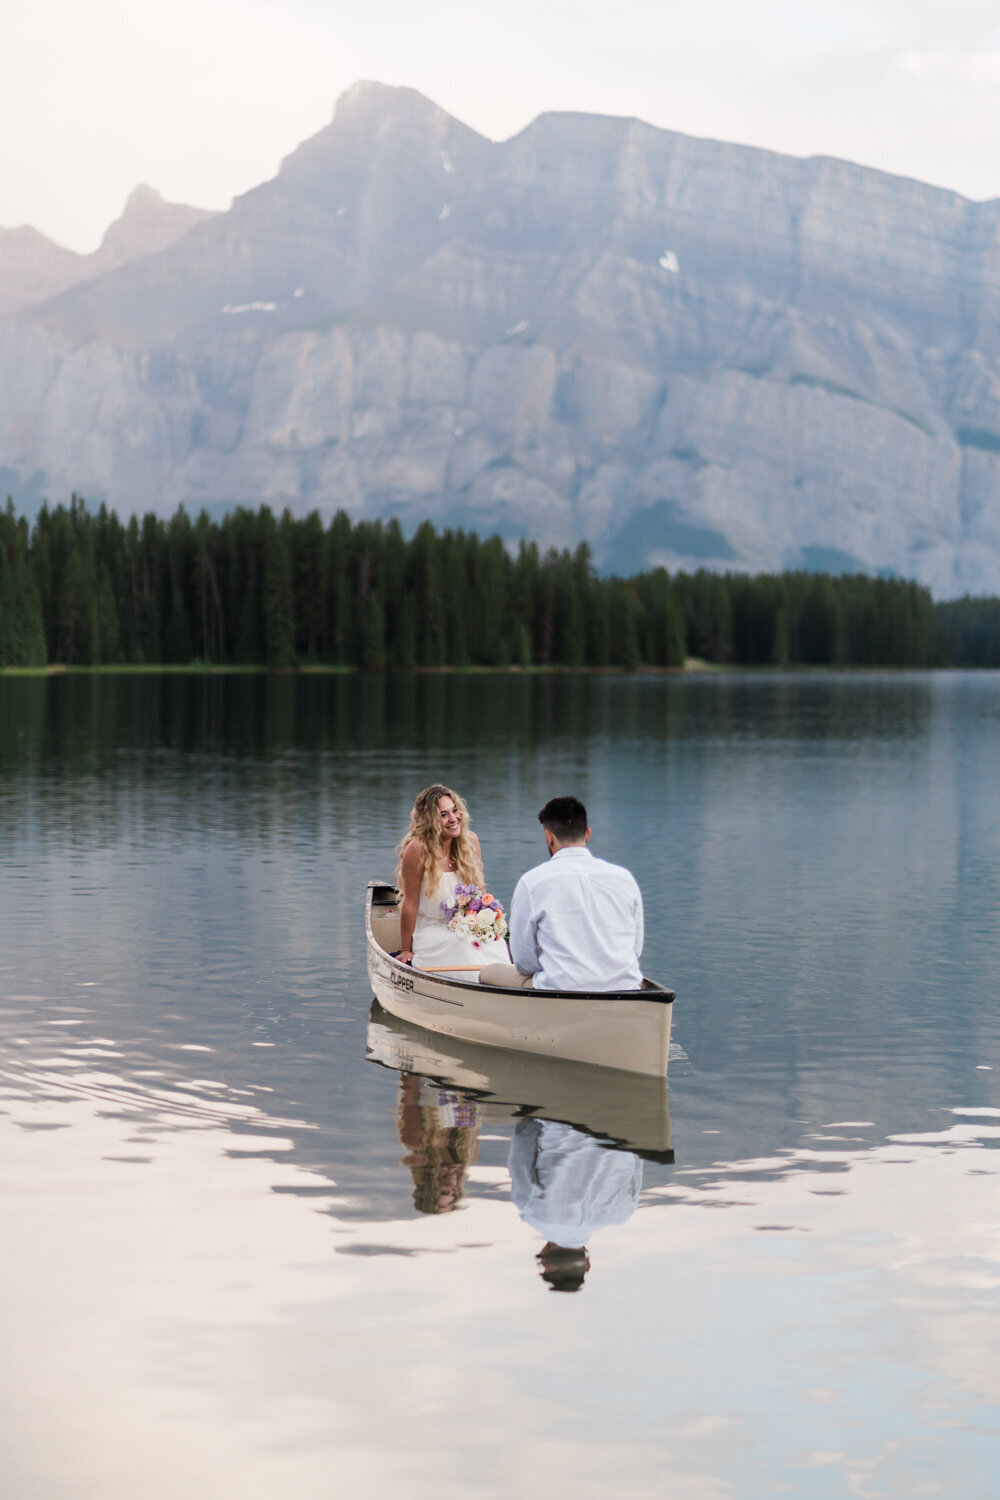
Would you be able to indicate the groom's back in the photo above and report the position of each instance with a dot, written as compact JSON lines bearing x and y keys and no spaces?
{"x":576,"y":924}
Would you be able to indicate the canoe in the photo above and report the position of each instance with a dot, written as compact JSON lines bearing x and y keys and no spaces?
{"x":627,"y":1111}
{"x":627,"y":1029}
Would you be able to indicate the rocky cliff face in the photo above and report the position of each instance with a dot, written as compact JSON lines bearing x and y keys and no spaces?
{"x":681,"y":351}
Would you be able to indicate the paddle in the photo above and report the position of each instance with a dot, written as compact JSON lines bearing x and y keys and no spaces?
{"x":451,"y":968}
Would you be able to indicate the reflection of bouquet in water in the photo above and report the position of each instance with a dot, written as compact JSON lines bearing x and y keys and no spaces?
{"x":476,"y":915}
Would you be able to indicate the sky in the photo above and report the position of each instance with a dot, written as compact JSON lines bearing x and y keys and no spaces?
{"x":203,"y":98}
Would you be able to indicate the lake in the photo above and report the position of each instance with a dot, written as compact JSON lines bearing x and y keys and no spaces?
{"x":241,"y":1258}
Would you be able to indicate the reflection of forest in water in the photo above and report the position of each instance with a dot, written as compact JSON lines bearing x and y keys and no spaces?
{"x":119,"y":738}
{"x":250,"y":714}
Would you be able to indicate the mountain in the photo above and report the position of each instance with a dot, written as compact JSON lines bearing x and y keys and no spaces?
{"x":33,"y":268}
{"x":682,"y":351}
{"x":148,"y":224}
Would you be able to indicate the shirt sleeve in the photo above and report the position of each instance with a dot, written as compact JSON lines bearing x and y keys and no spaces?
{"x":523,"y":945}
{"x":640,"y":930}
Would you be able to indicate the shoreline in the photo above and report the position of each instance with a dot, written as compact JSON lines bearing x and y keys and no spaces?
{"x":693,"y":667}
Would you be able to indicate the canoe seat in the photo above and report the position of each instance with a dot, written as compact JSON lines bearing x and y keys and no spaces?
{"x":385,"y":929}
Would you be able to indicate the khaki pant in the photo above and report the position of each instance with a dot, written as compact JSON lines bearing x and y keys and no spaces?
{"x":506,"y":976}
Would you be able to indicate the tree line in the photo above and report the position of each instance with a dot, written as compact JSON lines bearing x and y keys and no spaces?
{"x":84,"y":588}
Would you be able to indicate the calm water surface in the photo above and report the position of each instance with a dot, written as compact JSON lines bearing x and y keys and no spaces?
{"x":239,"y":1258}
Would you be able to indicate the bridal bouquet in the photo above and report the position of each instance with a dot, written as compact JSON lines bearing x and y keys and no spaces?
{"x":476,"y":915}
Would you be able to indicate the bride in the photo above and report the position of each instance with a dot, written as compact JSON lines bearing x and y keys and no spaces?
{"x":438,"y":852}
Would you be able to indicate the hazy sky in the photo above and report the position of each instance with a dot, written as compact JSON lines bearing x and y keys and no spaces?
{"x":202,"y":98}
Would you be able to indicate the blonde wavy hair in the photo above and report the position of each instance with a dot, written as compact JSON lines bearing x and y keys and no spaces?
{"x":425,"y":825}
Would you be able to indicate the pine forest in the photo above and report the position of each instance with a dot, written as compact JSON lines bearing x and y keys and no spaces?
{"x":82,"y":588}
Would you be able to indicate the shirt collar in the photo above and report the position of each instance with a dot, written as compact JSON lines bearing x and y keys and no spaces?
{"x":573,"y":849}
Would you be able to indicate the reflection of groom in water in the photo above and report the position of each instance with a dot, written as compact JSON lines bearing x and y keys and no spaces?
{"x":575,"y":922}
{"x":566,"y":1185}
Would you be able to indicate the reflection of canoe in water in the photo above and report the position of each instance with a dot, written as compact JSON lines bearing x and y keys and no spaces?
{"x":627,"y":1109}
{"x":627,"y":1030}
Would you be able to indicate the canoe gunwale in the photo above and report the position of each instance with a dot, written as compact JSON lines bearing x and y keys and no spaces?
{"x":656,"y":994}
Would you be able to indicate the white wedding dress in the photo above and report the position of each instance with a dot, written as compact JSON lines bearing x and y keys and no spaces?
{"x":434,"y":947}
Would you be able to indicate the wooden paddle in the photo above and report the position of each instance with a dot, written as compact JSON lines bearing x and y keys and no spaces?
{"x":451,"y":968}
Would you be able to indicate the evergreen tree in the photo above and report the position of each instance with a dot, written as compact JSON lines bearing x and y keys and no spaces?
{"x":491,"y":616}
{"x":82,"y":588}
{"x":520,"y":646}
{"x":22,"y":634}
{"x":248,"y":591}
{"x":310,"y":563}
{"x":456,"y":605}
{"x":276,"y":591}
{"x":392,"y":588}
{"x":180,"y":548}
{"x":424,"y":578}
{"x":209,"y":612}
{"x":623,"y":614}
{"x":153,"y":590}
{"x":75,"y":586}
{"x":340,"y":594}
{"x":107,"y":639}
{"x":373,"y":633}
{"x":663,"y":642}
{"x":970,"y":632}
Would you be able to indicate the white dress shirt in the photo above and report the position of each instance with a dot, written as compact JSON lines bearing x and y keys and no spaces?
{"x":576,"y":924}
{"x":566,"y":1185}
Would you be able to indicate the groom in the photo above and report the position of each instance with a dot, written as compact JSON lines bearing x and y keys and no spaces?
{"x":576,"y":922}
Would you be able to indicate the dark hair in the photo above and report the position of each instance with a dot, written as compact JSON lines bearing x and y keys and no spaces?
{"x":563,"y":1269}
{"x":565,"y":818}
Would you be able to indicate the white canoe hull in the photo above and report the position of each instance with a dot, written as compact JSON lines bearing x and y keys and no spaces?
{"x":630,"y":1031}
{"x":628,"y":1110}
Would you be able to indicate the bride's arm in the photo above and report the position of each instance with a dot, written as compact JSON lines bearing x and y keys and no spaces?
{"x":411,"y":868}
{"x":477,"y":851}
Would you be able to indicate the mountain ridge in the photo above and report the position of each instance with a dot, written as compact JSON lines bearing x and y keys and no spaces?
{"x":34,"y":268}
{"x":594,"y":330}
